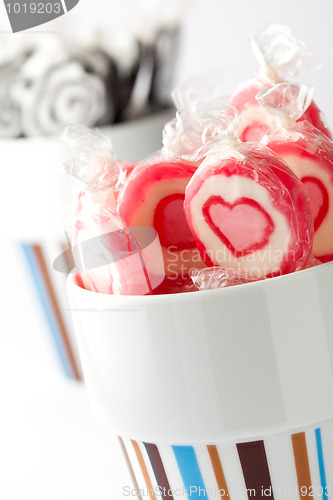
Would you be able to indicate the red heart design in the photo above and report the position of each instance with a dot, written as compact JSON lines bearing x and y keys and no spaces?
{"x":243,"y":226}
{"x":171,"y":224}
{"x":319,"y":199}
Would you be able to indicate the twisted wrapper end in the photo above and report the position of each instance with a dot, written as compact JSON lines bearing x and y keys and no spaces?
{"x":281,"y":55}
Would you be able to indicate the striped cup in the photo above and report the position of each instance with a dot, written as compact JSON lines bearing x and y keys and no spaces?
{"x":32,"y":197}
{"x":219,"y":394}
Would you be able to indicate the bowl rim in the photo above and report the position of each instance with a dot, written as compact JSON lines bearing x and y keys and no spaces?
{"x":156,"y":299}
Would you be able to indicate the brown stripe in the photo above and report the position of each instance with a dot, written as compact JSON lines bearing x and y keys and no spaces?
{"x":218,"y":471}
{"x":56,"y":309}
{"x":130,"y":468}
{"x":144,"y":469}
{"x":255,"y":469}
{"x":159,"y":471}
{"x":302,"y":465}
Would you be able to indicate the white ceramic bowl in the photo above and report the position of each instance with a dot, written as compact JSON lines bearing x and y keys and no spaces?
{"x":217,"y":380}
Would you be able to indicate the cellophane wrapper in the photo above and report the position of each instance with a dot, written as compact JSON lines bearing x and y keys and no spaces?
{"x":221,"y":146}
{"x":308,"y":151}
{"x":212,"y":278}
{"x":281,"y":55}
{"x":195,"y":101}
{"x":196,"y":116}
{"x":107,"y":254}
{"x":287,"y":102}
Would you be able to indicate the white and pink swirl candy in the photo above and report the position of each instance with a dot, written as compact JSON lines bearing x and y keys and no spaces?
{"x":248,"y":211}
{"x":110,"y":256}
{"x":308,"y":153}
{"x":281,"y":56}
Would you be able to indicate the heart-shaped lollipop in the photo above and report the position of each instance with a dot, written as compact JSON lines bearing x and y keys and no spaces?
{"x":319,"y":199}
{"x":310,"y":161}
{"x":308,"y":153}
{"x":154,"y":194}
{"x":154,"y":197}
{"x":249,"y":212}
{"x":280,"y":56}
{"x":109,"y":256}
{"x":244,"y":226}
{"x":255,"y":121}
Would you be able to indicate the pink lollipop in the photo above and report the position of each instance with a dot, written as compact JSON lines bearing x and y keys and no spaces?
{"x":280,"y":56}
{"x":154,"y":197}
{"x":308,"y":153}
{"x":255,"y":122}
{"x":247,"y":210}
{"x":109,"y":256}
{"x":154,"y":194}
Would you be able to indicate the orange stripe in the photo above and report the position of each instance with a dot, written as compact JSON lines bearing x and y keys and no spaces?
{"x":218,"y":471}
{"x":130,"y":468}
{"x":56,"y":309}
{"x":144,"y":469}
{"x":302,"y":465}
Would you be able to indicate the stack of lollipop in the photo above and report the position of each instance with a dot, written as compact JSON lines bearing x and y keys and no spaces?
{"x":235,"y":195}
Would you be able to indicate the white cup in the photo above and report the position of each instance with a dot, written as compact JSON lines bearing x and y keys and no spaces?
{"x":34,"y":192}
{"x":201,"y":385}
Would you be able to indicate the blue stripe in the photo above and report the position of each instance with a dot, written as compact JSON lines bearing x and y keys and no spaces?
{"x":46,"y":308}
{"x":190,"y":471}
{"x":321,"y":463}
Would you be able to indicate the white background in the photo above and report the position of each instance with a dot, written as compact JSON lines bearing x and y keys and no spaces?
{"x":50,"y":446}
{"x":215,"y":33}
